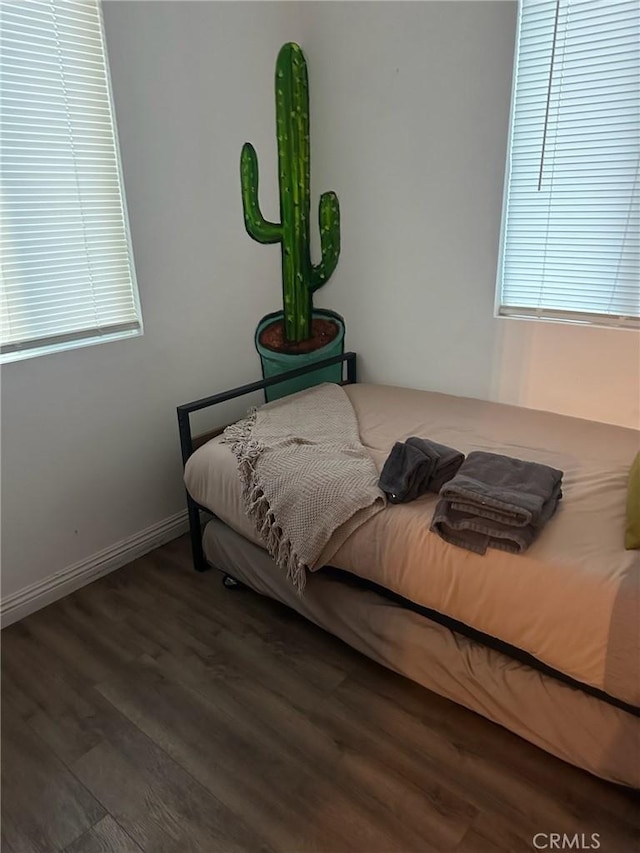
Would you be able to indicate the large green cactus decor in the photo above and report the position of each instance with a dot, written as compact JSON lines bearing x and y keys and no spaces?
{"x":300,"y":278}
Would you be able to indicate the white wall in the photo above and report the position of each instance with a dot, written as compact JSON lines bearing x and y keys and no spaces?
{"x":410,"y":110}
{"x":409,"y":118}
{"x":90,"y":441}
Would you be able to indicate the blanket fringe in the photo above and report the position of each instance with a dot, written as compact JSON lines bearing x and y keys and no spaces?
{"x":247,"y":451}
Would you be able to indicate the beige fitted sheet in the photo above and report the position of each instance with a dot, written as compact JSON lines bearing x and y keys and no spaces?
{"x":572,"y":600}
{"x":558,"y":718}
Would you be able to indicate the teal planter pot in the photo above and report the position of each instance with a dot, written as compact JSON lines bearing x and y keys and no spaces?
{"x":274,"y":363}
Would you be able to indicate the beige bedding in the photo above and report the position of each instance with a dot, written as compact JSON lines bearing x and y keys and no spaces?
{"x":572,"y":600}
{"x":307,"y":481}
{"x":560,"y":719}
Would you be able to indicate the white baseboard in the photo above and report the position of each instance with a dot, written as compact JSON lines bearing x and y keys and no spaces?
{"x":44,"y":592}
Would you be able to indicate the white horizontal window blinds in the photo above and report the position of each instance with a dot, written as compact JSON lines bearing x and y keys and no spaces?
{"x":571,"y":221}
{"x":66,"y":262}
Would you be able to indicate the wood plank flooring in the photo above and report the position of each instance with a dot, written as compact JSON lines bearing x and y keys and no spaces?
{"x":156,"y":711}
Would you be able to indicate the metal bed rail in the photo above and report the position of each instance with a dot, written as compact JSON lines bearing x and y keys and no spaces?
{"x":186,"y":438}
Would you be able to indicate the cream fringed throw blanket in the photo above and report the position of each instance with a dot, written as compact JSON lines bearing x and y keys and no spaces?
{"x":307,"y":481}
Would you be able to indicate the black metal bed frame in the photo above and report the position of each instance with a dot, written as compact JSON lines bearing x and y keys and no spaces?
{"x":186,"y":438}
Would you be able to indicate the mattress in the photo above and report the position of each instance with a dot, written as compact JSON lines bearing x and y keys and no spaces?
{"x":560,"y":719}
{"x":572,"y":601}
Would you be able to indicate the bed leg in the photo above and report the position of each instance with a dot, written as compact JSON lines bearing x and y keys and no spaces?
{"x":195,"y":532}
{"x":231,"y":583}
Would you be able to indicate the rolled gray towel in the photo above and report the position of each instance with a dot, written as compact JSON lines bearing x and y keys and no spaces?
{"x":498,"y":502}
{"x":447,"y":461}
{"x":418,"y":466}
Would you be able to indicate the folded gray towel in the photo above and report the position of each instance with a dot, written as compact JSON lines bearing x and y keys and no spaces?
{"x":417,"y":466}
{"x":497,"y":501}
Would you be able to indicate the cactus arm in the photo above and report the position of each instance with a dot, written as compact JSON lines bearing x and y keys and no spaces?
{"x":255,"y":223}
{"x":329,"y":218}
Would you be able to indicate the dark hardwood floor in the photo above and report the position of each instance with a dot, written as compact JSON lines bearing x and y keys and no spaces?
{"x":156,"y":711}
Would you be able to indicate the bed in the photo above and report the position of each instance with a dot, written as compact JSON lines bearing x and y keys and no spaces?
{"x":546,"y":643}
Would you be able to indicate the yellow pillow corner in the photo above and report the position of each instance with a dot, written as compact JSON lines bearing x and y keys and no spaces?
{"x":632,"y":532}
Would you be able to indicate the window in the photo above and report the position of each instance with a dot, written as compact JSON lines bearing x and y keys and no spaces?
{"x":571,"y":220}
{"x":67,"y":274}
